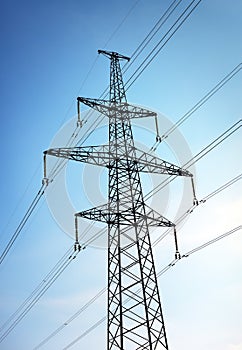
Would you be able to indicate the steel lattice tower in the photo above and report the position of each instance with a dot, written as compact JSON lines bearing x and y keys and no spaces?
{"x":135,"y":320}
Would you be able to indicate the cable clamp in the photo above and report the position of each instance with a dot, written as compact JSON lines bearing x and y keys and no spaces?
{"x":77,"y":247}
{"x":195,"y":201}
{"x":79,"y":123}
{"x":45,"y":181}
{"x":177,"y":256}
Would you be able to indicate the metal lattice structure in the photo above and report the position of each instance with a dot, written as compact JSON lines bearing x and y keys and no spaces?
{"x":135,"y":320}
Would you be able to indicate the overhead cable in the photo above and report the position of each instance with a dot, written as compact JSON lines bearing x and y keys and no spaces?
{"x":28,"y":304}
{"x":101,"y":292}
{"x":221,"y":138}
{"x":160,"y":273}
{"x":156,"y":50}
{"x":22,"y":222}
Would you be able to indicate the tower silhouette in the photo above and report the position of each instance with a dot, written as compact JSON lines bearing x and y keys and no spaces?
{"x":135,"y":319}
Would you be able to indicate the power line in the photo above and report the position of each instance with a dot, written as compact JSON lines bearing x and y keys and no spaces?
{"x":66,"y":323}
{"x":36,"y":290}
{"x":161,"y":21}
{"x":160,"y":273}
{"x":105,"y":93}
{"x":96,"y":58}
{"x":140,"y":70}
{"x":69,"y":143}
{"x":121,"y":23}
{"x":223,"y":187}
{"x":188,"y":114}
{"x":214,"y":240}
{"x":20,"y":200}
{"x":101,"y":292}
{"x":203,"y":200}
{"x":203,"y":100}
{"x":28,"y":304}
{"x":61,"y":163}
{"x":44,"y":285}
{"x":200,"y":154}
{"x":225,"y":80}
{"x":85,"y":333}
{"x":221,"y":138}
{"x":22,"y":222}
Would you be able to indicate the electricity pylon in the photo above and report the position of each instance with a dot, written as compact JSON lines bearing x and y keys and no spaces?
{"x":135,"y":319}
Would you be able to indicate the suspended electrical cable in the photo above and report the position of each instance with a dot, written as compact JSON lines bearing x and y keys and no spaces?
{"x":136,"y":53}
{"x":161,"y":21}
{"x":95,"y":237}
{"x":203,"y":100}
{"x":97,"y":57}
{"x":218,"y":190}
{"x":121,"y":23}
{"x":214,"y":240}
{"x":225,"y":80}
{"x":45,"y":284}
{"x":203,"y":200}
{"x":186,"y":255}
{"x":160,"y":273}
{"x":20,"y":200}
{"x":85,"y":333}
{"x":66,"y":323}
{"x":101,"y":292}
{"x":200,"y":103}
{"x":69,"y":143}
{"x":199,"y":158}
{"x":100,"y":117}
{"x":221,"y":138}
{"x":201,"y":154}
{"x":36,"y":290}
{"x":223,"y":187}
{"x":61,"y":267}
{"x":140,"y":70}
{"x":22,"y":222}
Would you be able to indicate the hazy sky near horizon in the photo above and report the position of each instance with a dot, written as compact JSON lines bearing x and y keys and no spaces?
{"x":48,"y":58}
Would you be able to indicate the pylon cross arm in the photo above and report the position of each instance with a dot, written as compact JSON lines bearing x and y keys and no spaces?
{"x":104,"y":213}
{"x":113,"y":55}
{"x":103,"y":156}
{"x":149,"y":163}
{"x":122,"y":111}
{"x":96,"y":155}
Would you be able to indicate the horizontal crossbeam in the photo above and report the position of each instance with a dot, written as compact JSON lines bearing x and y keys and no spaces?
{"x":123,"y":110}
{"x":129,"y":217}
{"x":104,"y":156}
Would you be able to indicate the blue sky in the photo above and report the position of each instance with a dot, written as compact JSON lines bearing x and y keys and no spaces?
{"x":47,"y":49}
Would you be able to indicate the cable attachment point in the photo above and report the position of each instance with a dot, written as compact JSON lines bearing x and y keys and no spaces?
{"x":77,"y":247}
{"x":177,"y":256}
{"x":45,"y":181}
{"x":79,"y":123}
